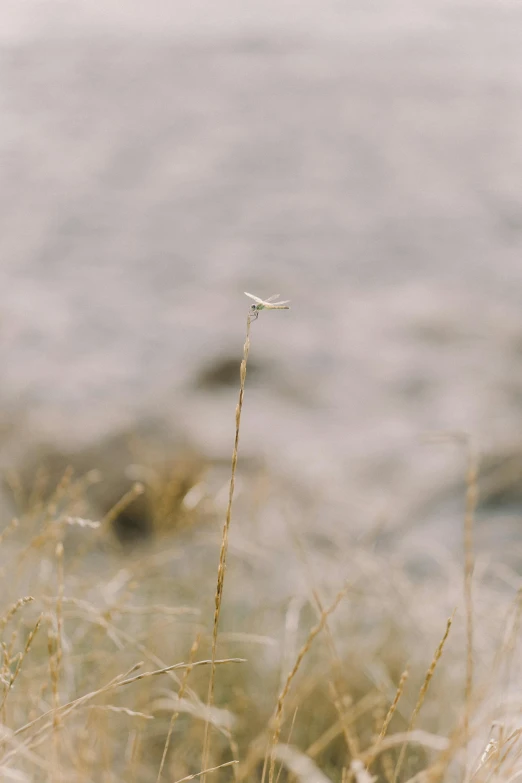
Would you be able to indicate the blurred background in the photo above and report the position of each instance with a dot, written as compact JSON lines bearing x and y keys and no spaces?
{"x":363,"y":159}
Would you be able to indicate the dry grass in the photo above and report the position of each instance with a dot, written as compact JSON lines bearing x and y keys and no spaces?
{"x":469,"y":517}
{"x":422,"y":695}
{"x":278,"y":716}
{"x":224,"y":542}
{"x":389,"y":715}
{"x":110,"y":654}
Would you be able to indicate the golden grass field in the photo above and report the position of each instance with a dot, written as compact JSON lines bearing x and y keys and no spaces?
{"x":156,"y":631}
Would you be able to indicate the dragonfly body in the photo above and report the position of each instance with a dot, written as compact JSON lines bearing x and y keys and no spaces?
{"x":266,"y":304}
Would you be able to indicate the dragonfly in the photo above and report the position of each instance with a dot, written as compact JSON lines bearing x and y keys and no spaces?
{"x":266,"y":304}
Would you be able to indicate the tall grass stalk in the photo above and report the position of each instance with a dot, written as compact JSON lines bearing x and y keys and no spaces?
{"x":224,"y":548}
{"x":471,"y":504}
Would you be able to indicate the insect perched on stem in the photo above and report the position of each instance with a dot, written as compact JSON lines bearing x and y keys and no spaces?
{"x":266,"y":304}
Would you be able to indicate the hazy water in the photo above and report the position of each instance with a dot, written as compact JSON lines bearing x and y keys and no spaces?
{"x":364,"y":160}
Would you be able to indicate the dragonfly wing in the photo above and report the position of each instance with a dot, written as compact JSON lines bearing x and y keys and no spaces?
{"x":271,"y":298}
{"x":255,"y":298}
{"x":280,"y":304}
